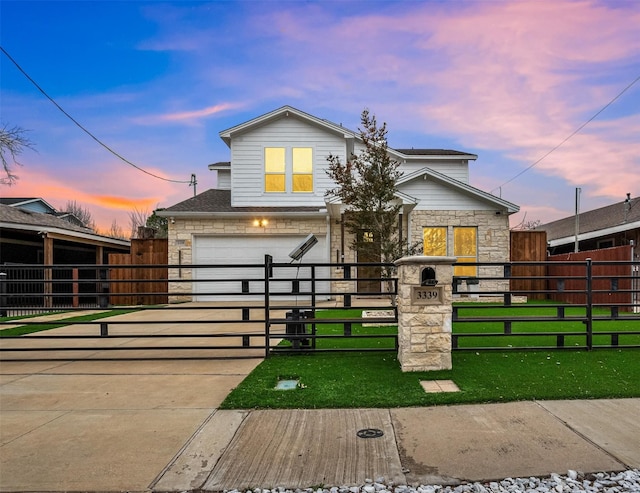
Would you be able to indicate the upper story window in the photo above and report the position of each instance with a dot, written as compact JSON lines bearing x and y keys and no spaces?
{"x":274,"y":169}
{"x":302,"y":177}
{"x":297,"y":164}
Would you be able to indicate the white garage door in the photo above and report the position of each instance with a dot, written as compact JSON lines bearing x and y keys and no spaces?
{"x":214,"y":283}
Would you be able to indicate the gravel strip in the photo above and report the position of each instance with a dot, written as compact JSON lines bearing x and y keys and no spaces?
{"x":572,"y":482}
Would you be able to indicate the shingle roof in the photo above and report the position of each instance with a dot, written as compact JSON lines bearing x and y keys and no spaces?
{"x":220,"y":201}
{"x":595,"y":220}
{"x":431,"y":152}
{"x":15,"y":215}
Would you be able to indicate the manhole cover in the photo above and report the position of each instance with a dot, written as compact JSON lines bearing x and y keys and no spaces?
{"x":370,"y":433}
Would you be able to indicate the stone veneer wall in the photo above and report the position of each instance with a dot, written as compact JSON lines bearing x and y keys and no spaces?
{"x":493,"y":237}
{"x":424,"y":330}
{"x":493,"y":241}
{"x":183,"y":230}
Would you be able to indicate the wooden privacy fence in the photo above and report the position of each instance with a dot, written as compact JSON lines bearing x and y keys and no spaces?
{"x":146,"y":281}
{"x":529,"y":246}
{"x":612,"y":284}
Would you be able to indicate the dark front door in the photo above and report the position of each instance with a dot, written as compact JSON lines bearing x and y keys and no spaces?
{"x":368,"y":252}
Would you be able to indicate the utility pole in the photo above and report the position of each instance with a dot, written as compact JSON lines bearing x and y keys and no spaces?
{"x":193,"y":183}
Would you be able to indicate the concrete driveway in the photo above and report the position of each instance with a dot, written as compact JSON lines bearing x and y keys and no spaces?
{"x":153,"y":425}
{"x":95,"y":425}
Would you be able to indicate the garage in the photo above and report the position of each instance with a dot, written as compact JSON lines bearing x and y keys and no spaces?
{"x":233,"y":273}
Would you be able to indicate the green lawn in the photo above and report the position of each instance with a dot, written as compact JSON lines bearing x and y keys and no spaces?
{"x":339,"y":380}
{"x":374,"y":379}
{"x":470,"y":310}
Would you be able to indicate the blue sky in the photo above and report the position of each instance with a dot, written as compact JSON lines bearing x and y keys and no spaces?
{"x":157,"y":81}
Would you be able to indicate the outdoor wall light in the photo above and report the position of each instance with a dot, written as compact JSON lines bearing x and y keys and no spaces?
{"x":260,"y":223}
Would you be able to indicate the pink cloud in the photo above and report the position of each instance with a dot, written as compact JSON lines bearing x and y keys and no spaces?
{"x":133,"y":192}
{"x":188,"y":116}
{"x":516,"y":77}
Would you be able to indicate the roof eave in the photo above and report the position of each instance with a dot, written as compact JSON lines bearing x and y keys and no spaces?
{"x":228,"y":134}
{"x":227,"y":214}
{"x":594,"y":234}
{"x":59,"y":232}
{"x":509,"y":207}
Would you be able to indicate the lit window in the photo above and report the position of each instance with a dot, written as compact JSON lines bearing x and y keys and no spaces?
{"x":465,"y":247}
{"x":302,"y":177}
{"x":434,"y":242}
{"x":274,"y":169}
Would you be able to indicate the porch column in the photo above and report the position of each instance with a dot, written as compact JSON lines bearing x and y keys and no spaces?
{"x":48,"y":272}
{"x":424,"y":312}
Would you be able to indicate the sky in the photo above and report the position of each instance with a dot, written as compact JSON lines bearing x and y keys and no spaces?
{"x":156,"y":82}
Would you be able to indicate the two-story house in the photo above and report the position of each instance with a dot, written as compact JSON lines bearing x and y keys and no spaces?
{"x":271,"y":195}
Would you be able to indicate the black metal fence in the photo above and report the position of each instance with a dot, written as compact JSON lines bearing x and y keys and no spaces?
{"x":259,"y":309}
{"x":243,"y":310}
{"x":576,"y":305}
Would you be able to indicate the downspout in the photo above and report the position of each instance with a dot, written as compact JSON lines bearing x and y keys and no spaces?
{"x":400,"y":229}
{"x":328,"y":237}
{"x":342,"y":237}
{"x":409,"y":229}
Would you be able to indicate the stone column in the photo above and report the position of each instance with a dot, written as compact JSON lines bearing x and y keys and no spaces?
{"x":424,"y":312}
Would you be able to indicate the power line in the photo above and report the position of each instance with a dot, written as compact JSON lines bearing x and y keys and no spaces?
{"x":572,"y":134}
{"x":87,"y":131}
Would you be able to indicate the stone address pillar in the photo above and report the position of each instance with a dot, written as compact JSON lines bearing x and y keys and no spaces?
{"x":424,"y":312}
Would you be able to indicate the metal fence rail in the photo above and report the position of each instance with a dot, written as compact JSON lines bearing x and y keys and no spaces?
{"x":604,"y":310}
{"x":290,"y":308}
{"x":254,"y":324}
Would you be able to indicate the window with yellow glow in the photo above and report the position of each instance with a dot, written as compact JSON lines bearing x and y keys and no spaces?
{"x":274,"y":169}
{"x":465,"y":247}
{"x":434,"y":241}
{"x":302,"y":177}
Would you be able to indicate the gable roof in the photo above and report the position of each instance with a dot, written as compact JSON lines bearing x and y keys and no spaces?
{"x":27,"y":201}
{"x":614,"y":218}
{"x":460,"y":186}
{"x":287,"y":111}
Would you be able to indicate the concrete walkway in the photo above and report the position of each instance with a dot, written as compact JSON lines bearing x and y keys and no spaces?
{"x":154,"y":426}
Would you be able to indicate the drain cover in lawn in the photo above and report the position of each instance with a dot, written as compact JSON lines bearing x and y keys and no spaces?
{"x":287,"y":384}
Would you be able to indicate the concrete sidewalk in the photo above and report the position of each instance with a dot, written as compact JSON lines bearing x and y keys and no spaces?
{"x":152,"y":425}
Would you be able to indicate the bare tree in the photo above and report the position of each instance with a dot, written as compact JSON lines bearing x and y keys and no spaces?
{"x":137,"y":218}
{"x":81,"y":213}
{"x":13,"y":141}
{"x":115,"y":231}
{"x":526,"y":225}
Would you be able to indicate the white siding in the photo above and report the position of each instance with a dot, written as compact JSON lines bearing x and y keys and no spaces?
{"x":224,"y":179}
{"x":247,"y":157}
{"x":438,"y":197}
{"x":454,"y":169}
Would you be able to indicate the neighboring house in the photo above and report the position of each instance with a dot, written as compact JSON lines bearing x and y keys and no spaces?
{"x":610,"y":226}
{"x":271,"y":195}
{"x":40,"y":205}
{"x":32,"y":232}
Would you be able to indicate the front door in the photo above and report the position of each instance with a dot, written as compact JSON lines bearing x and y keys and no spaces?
{"x":368,"y":250}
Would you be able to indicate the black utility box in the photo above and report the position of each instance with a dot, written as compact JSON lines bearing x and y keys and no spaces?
{"x":296,"y":327}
